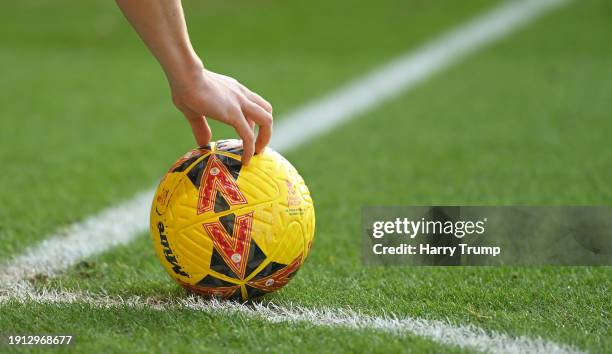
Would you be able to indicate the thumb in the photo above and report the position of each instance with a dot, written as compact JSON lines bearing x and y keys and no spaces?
{"x":200,"y":128}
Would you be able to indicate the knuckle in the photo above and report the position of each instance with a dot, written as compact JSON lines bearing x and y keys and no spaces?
{"x":265,"y":104}
{"x":266,"y":121}
{"x":269,"y":119}
{"x":233,"y":114}
{"x":265,"y":117}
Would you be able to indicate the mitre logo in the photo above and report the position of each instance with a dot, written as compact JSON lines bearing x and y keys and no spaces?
{"x":168,"y":254}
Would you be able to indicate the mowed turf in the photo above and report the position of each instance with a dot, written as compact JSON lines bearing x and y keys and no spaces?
{"x":86,"y":114}
{"x":125,"y":330}
{"x":524,"y":122}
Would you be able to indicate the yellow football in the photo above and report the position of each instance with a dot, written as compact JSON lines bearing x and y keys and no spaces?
{"x":224,"y":230}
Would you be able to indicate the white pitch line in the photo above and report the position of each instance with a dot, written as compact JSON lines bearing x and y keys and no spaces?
{"x":120,"y":224}
{"x":465,"y":336}
{"x":405,"y":72}
{"x":114,"y":226}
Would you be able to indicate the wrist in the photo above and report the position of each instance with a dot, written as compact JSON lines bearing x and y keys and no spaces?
{"x":183,"y":70}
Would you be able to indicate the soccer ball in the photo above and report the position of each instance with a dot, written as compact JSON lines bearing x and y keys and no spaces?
{"x":228,"y":231}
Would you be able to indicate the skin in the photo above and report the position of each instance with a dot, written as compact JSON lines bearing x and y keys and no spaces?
{"x":197,"y":92}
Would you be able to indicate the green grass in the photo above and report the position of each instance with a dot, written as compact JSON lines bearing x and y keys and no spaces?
{"x":528,"y":300}
{"x":526,"y":121}
{"x":86,"y":114}
{"x":185,"y":331}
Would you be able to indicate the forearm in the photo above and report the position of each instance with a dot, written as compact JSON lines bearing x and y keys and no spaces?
{"x":161,"y":25}
{"x":197,"y":92}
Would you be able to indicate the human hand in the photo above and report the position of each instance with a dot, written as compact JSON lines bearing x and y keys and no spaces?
{"x":197,"y":92}
{"x":208,"y":94}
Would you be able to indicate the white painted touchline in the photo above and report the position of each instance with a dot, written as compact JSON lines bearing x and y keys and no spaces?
{"x":120,"y":224}
{"x":465,"y":336}
{"x":113,"y":226}
{"x":405,"y":72}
